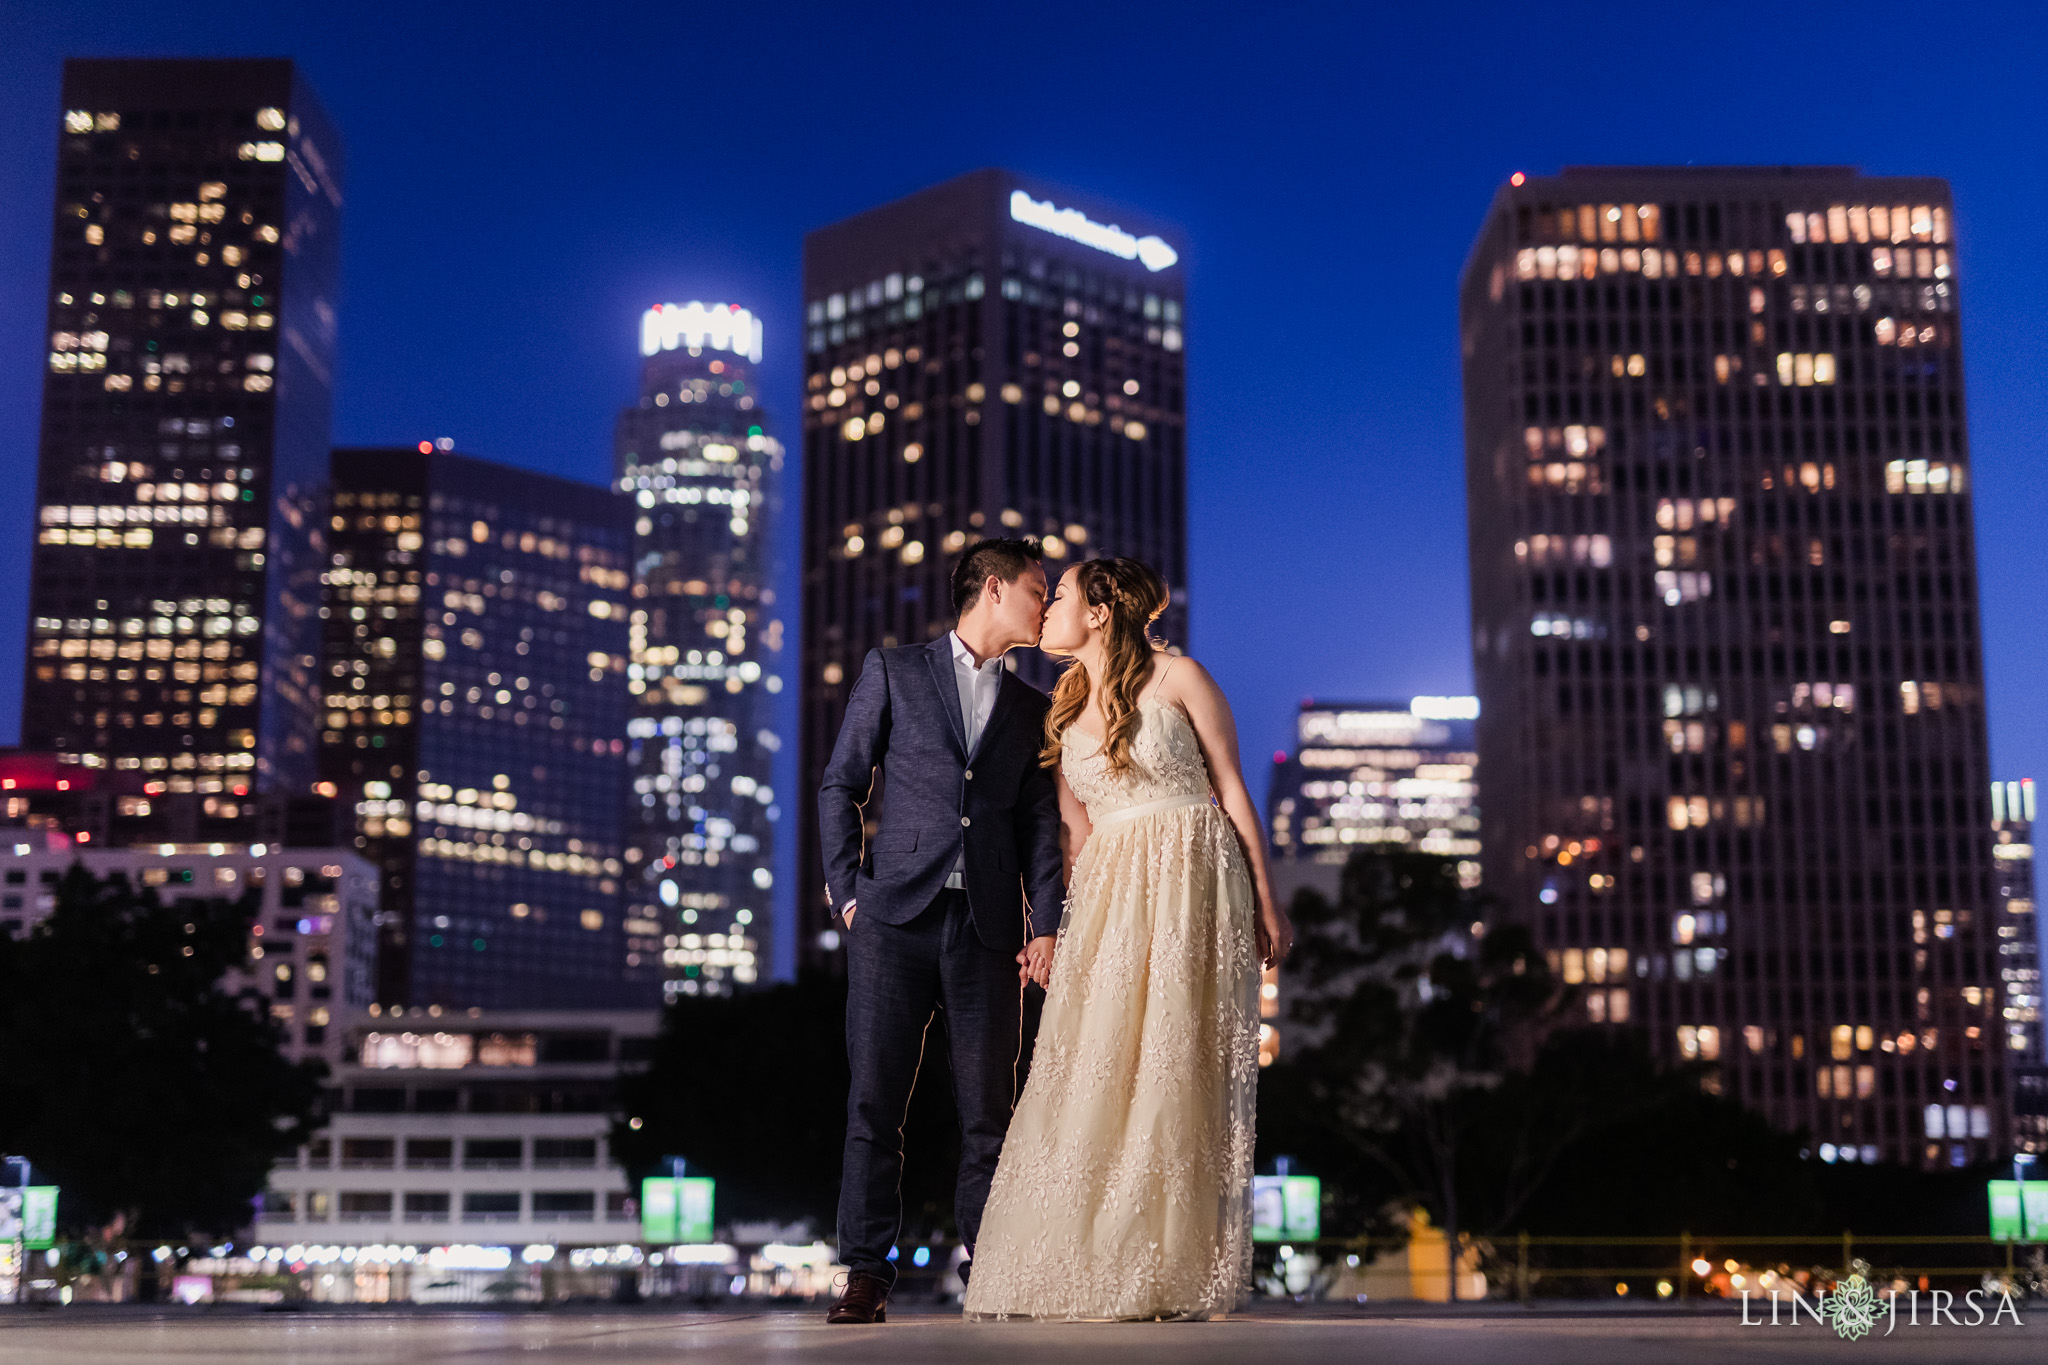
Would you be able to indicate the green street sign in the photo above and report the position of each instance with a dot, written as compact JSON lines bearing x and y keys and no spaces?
{"x":676,"y":1209}
{"x":39,"y":1216}
{"x":2017,"y":1219}
{"x":657,"y":1209}
{"x":1287,"y":1208}
{"x":28,"y":1214}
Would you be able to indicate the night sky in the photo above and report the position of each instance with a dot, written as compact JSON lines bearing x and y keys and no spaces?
{"x":523,"y":180}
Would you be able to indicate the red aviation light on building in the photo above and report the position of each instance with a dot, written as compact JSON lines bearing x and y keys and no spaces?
{"x":1517,"y":178}
{"x":426,"y":447}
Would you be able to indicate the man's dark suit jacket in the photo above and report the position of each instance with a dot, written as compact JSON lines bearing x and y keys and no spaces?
{"x":904,"y":722}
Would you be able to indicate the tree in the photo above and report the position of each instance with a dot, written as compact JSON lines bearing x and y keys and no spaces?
{"x":1435,"y":1064}
{"x":751,"y":1089}
{"x":1431,"y":1061}
{"x":1410,"y":1008}
{"x":129,"y":1073}
{"x":1597,"y":1138}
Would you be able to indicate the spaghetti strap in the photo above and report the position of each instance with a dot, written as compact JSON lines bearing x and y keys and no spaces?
{"x":1160,"y":681}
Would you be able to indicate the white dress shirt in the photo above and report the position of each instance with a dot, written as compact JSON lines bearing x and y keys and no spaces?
{"x":978,"y":685}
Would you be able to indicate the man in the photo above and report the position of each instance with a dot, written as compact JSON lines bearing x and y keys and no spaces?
{"x":935,"y":908}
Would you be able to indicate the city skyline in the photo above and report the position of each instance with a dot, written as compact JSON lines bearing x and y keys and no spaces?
{"x":1350,"y":395}
{"x":1554,"y":433}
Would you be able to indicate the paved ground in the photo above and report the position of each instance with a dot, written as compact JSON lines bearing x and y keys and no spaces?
{"x":1276,"y":1336}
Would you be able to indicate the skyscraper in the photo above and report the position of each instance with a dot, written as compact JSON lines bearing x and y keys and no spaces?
{"x":695,"y":455}
{"x":475,"y":714}
{"x":990,"y":356}
{"x":1363,"y":774}
{"x":2019,"y":954}
{"x":1725,"y":634}
{"x":184,"y":437}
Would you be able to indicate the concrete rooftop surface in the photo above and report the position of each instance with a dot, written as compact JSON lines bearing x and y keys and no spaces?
{"x":1271,"y":1335}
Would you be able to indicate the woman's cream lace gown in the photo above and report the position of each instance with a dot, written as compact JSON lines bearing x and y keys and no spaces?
{"x":1124,"y":1189}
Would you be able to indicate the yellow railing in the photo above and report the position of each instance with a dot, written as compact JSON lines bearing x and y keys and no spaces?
{"x":1521,"y":1256}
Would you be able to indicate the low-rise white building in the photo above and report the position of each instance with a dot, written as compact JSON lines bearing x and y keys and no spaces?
{"x":467,"y":1127}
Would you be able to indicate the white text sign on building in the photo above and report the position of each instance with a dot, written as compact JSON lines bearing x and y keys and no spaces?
{"x":1076,"y":226}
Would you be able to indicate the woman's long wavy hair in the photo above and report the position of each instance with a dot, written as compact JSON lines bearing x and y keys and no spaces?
{"x":1135,"y":595}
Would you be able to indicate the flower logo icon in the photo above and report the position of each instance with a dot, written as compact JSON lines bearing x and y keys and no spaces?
{"x":1852,"y":1309}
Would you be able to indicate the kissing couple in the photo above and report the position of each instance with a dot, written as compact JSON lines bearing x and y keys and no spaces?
{"x":1099,"y":843}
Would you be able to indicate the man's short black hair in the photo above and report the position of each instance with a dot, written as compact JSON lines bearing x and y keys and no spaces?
{"x":1004,"y":557}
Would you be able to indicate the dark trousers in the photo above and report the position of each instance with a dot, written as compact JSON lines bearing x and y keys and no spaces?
{"x":897,"y":976}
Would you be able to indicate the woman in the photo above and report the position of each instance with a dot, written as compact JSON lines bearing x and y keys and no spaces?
{"x":1124,"y":1189}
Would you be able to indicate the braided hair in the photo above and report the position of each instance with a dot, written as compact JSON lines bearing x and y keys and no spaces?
{"x":1135,"y":595}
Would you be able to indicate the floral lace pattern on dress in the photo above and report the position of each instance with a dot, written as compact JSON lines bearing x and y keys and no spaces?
{"x":1125,"y":1184}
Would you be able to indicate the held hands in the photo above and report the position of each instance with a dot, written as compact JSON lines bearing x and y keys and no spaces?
{"x":1034,"y":964}
{"x":1275,"y":934}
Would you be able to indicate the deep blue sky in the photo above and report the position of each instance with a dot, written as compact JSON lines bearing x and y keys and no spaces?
{"x":524,"y":179}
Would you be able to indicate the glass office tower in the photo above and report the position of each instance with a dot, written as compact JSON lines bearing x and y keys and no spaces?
{"x":475,"y":714}
{"x":175,"y":580}
{"x":2019,"y":953}
{"x":695,"y":457}
{"x":990,"y":356}
{"x":1399,"y":775}
{"x":1726,"y":635}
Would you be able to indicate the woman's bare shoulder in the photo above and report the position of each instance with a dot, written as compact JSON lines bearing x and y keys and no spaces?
{"x":1183,"y":675}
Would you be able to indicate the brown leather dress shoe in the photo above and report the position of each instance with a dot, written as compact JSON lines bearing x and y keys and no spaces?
{"x":866,"y":1300}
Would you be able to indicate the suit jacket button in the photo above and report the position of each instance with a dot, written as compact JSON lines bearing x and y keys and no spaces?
{"x":965,"y":821}
{"x":970,"y":774}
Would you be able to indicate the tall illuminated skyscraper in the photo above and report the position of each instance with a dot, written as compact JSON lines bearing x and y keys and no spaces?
{"x":695,"y":455}
{"x":1726,"y":635}
{"x":190,"y":336}
{"x":475,"y":714}
{"x":990,"y":356}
